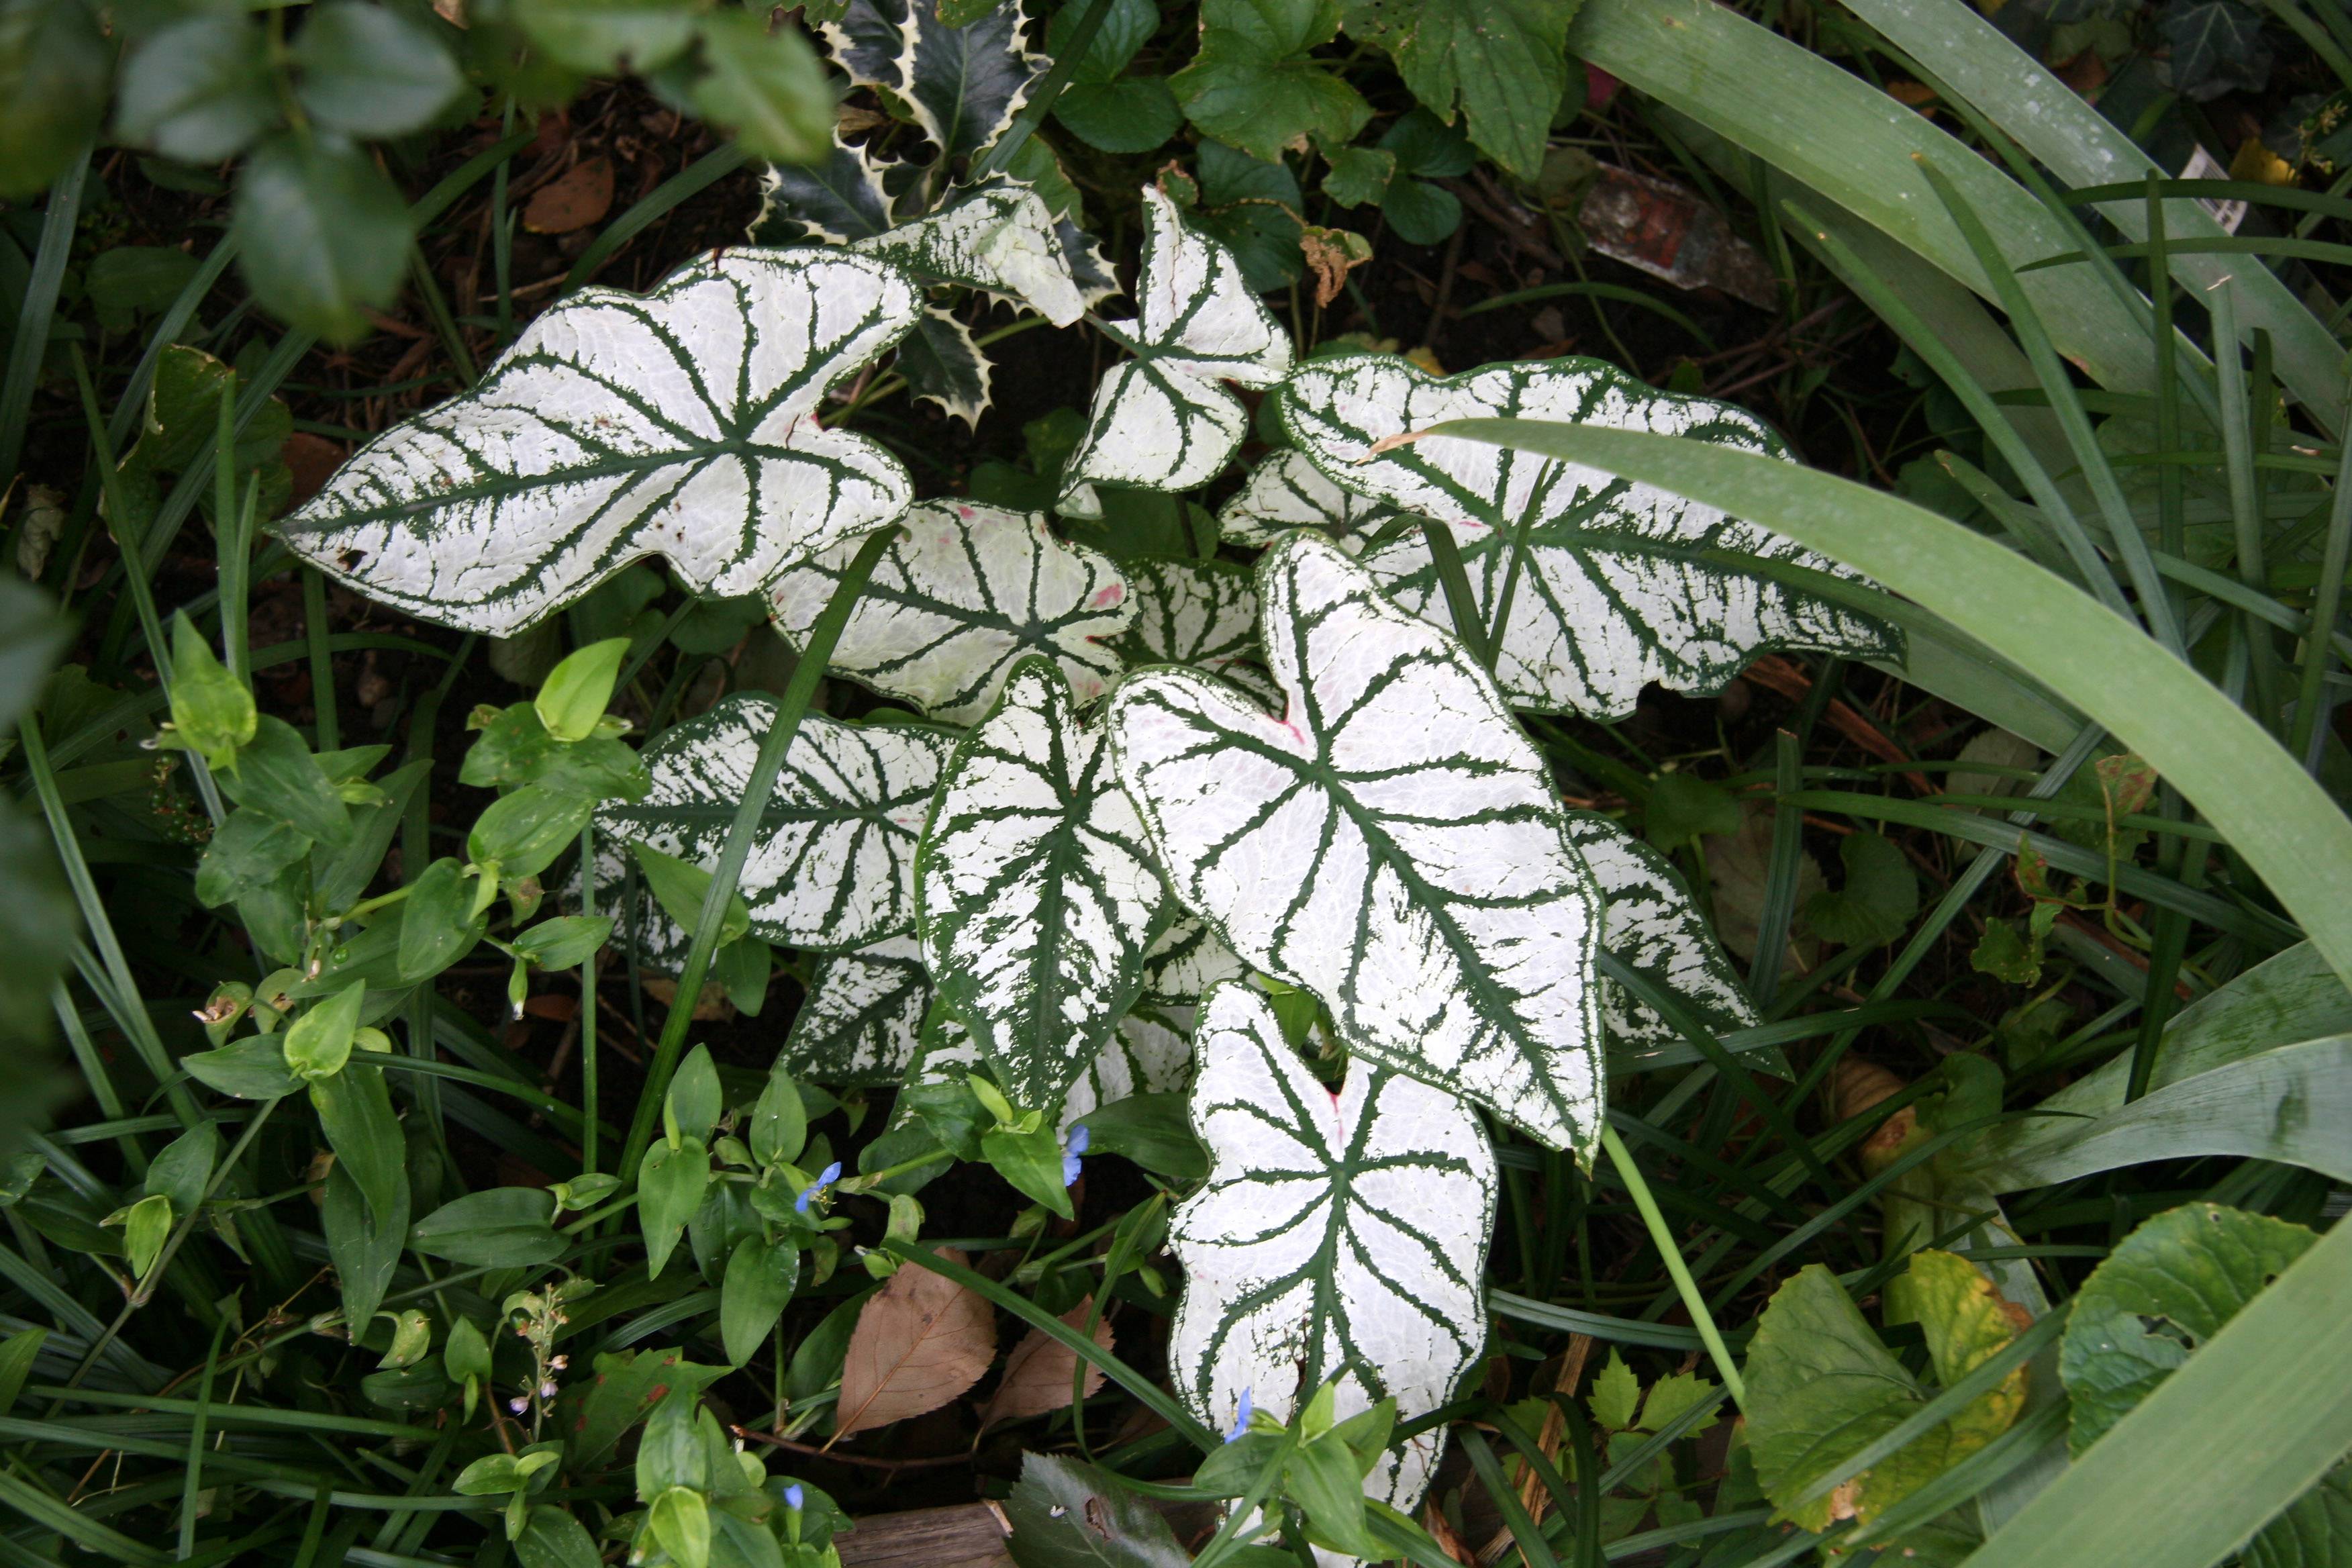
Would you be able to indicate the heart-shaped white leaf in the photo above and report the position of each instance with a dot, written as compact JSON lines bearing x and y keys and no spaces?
{"x":1038,"y":899}
{"x":834,"y":862}
{"x":862,"y":1016}
{"x":1624,"y":584}
{"x":681,"y":425}
{"x":1345,"y":1229}
{"x":1185,"y":962}
{"x":1649,"y":920}
{"x":966,"y":591}
{"x":1161,"y":420}
{"x":1000,"y":239}
{"x":1198,"y":613}
{"x":1393,"y":843}
{"x":1288,"y":492}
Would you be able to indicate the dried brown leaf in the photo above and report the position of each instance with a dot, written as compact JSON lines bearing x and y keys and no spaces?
{"x":921,"y":1341}
{"x":580,"y":198}
{"x":1037,"y":1374}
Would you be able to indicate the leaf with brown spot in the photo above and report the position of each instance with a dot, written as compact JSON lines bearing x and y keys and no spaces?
{"x":579,"y":198}
{"x":1037,"y":1374}
{"x":921,"y":1341}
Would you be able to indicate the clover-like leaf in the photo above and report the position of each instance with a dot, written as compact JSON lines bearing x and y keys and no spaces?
{"x":1393,"y":843}
{"x":1288,"y":492}
{"x":862,"y":1016}
{"x":1161,"y":420}
{"x":1343,"y":1230}
{"x":1188,"y":959}
{"x":1624,"y":584}
{"x":964,"y":594}
{"x":1037,"y":897}
{"x":680,"y":425}
{"x":833,"y":864}
{"x":1000,"y":238}
{"x":1648,"y":919}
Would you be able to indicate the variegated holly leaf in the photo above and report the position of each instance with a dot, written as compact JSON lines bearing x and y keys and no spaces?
{"x":965,"y":592}
{"x":680,"y":425}
{"x":1162,"y":420}
{"x":1343,"y":1230}
{"x":1185,"y":962}
{"x":1000,"y":239}
{"x":1149,"y":1053}
{"x":843,"y":199}
{"x":834,"y":862}
{"x":1288,"y":492}
{"x":1624,"y":583}
{"x":963,"y":85}
{"x":1035,"y":895}
{"x":1392,"y":843}
{"x":1649,"y":920}
{"x":862,"y":1016}
{"x":942,"y":364}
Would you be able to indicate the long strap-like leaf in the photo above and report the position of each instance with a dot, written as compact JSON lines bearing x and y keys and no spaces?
{"x":2220,"y":760}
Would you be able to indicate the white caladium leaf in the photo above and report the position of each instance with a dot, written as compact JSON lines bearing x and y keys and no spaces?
{"x":833,"y":863}
{"x":681,"y":425}
{"x":1185,"y":962}
{"x":1345,"y":1229}
{"x":1161,"y":420}
{"x":1649,"y":920}
{"x":1037,"y":897}
{"x":1200,"y":613}
{"x":964,"y":594}
{"x":1288,"y":492}
{"x":1392,"y":843}
{"x":862,"y":1016}
{"x":1624,"y":583}
{"x":942,"y":364}
{"x":1000,"y":239}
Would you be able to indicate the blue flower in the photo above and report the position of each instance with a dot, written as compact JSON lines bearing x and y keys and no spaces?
{"x":824,"y":1179}
{"x":1073,"y":1143}
{"x":792,"y":1496}
{"x":1242,"y":1421}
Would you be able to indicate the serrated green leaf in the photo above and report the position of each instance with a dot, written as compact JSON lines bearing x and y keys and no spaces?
{"x":1616,"y":1394}
{"x":1286,"y":492}
{"x":1037,"y":897}
{"x":679,"y":424}
{"x":1504,"y":62}
{"x":1359,"y":174}
{"x":1252,"y":85}
{"x":832,"y":864}
{"x":966,"y":593}
{"x":1161,"y":420}
{"x":862,"y":1016}
{"x":1440,"y":914}
{"x":1624,"y":584}
{"x":1335,"y":1230}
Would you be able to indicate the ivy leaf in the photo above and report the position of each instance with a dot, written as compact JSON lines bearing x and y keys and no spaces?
{"x":1252,"y":84}
{"x":1288,"y":492}
{"x":1161,"y":420}
{"x":963,"y":85}
{"x":1503,"y":62}
{"x":1037,"y":898}
{"x":1393,"y":843}
{"x":1649,"y":920}
{"x":1880,"y":896}
{"x":1335,"y":1231}
{"x":942,"y":364}
{"x":966,"y":591}
{"x":862,"y":1016}
{"x":1000,"y":238}
{"x":1624,"y":584}
{"x":833,"y":864}
{"x":2217,"y":47}
{"x":616,"y":427}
